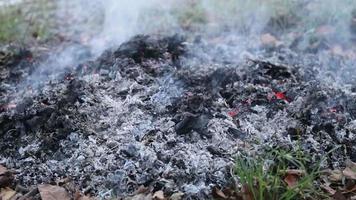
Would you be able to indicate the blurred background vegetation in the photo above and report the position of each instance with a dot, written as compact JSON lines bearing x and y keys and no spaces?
{"x":19,"y":20}
{"x":42,"y":20}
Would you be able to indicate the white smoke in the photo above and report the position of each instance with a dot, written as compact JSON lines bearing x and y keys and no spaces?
{"x":103,"y":24}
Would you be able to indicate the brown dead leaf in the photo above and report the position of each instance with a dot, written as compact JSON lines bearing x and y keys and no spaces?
{"x":159,"y":195}
{"x":339,"y":196}
{"x":351,"y":164}
{"x":30,"y":194}
{"x":53,"y":192}
{"x":328,"y":189}
{"x":6,"y":193}
{"x":141,"y":189}
{"x":77,"y":195}
{"x":350,"y":170}
{"x":349,"y":173}
{"x":140,"y":197}
{"x":296,"y":172}
{"x":2,"y":169}
{"x":176,"y":196}
{"x":247,"y":193}
{"x":351,"y":190}
{"x":335,"y":175}
{"x":291,"y":180}
{"x":6,"y":179}
{"x":86,"y":198}
{"x":218,"y":194}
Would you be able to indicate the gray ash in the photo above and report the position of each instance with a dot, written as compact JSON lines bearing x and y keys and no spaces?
{"x":154,"y":113}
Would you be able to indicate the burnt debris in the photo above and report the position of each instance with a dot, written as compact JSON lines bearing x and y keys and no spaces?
{"x":143,"y":115}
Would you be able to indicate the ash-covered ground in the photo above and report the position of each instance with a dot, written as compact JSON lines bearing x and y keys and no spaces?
{"x":171,"y":114}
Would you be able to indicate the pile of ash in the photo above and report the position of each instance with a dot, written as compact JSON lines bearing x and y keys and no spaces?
{"x":143,"y":115}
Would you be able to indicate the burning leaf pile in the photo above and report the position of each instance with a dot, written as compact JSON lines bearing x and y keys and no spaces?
{"x":156,"y":117}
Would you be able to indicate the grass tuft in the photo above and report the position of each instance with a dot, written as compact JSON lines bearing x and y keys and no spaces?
{"x":279,"y":174}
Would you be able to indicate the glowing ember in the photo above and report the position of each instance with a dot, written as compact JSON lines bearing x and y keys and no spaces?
{"x":233,"y":113}
{"x":281,"y":96}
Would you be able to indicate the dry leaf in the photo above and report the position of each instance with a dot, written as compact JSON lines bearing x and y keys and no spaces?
{"x":291,"y":180}
{"x":349,"y":173}
{"x":52,"y":192}
{"x":141,"y":197}
{"x":335,"y":175}
{"x":296,"y":172}
{"x":141,"y":189}
{"x":85,"y":198}
{"x":351,"y":190}
{"x":159,"y":195}
{"x":6,"y":193}
{"x":77,"y":195}
{"x":350,"y":170}
{"x":6,"y":178}
{"x":351,"y":165}
{"x":176,"y":196}
{"x":328,"y":189}
{"x":218,"y":194}
{"x":2,"y":169}
{"x":246,"y":193}
{"x":339,"y":196}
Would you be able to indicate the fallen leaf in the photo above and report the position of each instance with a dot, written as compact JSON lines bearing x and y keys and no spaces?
{"x":335,"y":175}
{"x":176,"y":196}
{"x":141,"y":189}
{"x":247,"y":193}
{"x":328,"y":189}
{"x":2,"y":169}
{"x":53,"y":192}
{"x":296,"y":172}
{"x":218,"y":194}
{"x":6,"y":193}
{"x":77,"y":195}
{"x":349,"y":173}
{"x":30,"y":194}
{"x":6,"y":179}
{"x":140,"y":197}
{"x":291,"y":180}
{"x":351,"y":164}
{"x":339,"y":196}
{"x":159,"y":195}
{"x":351,"y":190}
{"x":85,"y":198}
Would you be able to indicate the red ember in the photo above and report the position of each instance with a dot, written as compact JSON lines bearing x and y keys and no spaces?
{"x":281,"y":95}
{"x":233,"y":113}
